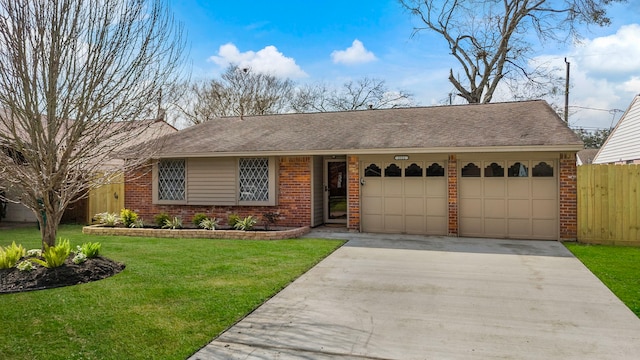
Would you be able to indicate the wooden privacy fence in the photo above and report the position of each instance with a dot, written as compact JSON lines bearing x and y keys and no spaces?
{"x":609,"y":204}
{"x":107,"y":198}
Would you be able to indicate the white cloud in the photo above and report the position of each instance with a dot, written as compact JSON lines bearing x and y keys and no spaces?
{"x":604,"y":77}
{"x":266,"y":61}
{"x":610,"y":56}
{"x":355,"y":54}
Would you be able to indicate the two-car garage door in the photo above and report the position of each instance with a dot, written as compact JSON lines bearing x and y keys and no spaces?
{"x":496,"y":198}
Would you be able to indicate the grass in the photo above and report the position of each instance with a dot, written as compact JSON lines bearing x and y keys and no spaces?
{"x":174,"y":296}
{"x":618,"y":267}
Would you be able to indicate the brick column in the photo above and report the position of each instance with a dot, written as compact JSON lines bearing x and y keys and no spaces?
{"x":452,"y":185}
{"x":353,"y":191}
{"x":568,"y":197}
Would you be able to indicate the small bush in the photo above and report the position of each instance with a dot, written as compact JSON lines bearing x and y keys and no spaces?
{"x":161,"y":219}
{"x":54,"y":256}
{"x":25,"y":265}
{"x":139,"y":223}
{"x":176,"y":223}
{"x":10,"y":255}
{"x":270,"y":218}
{"x":34,"y":252}
{"x":233,"y":219}
{"x":90,"y":249}
{"x":209,"y":223}
{"x":128,"y":217}
{"x":79,"y":258}
{"x":245,"y":224}
{"x":197,"y":218}
{"x":107,"y":219}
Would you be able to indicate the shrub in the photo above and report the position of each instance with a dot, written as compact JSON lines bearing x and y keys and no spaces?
{"x":245,"y":224}
{"x":54,"y":256}
{"x":209,"y":223}
{"x":139,"y":223}
{"x":79,"y":258}
{"x":34,"y":252}
{"x":90,"y":249}
{"x":128,"y":217}
{"x":197,"y":219}
{"x":233,"y":219}
{"x":10,"y":255}
{"x":161,"y":219}
{"x":176,"y":223}
{"x":25,"y":265}
{"x":107,"y":219}
{"x":270,"y":218}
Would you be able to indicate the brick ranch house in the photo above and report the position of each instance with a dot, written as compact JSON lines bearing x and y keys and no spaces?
{"x":505,"y":170}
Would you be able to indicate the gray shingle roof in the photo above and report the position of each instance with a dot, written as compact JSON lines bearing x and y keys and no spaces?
{"x":526,"y":123}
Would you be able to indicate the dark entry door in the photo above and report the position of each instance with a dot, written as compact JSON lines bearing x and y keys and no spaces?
{"x":336,"y":191}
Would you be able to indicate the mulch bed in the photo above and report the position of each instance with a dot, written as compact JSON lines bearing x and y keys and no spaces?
{"x":14,"y":280}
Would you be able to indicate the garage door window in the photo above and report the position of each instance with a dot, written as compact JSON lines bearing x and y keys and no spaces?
{"x":413,"y":170}
{"x":393,"y":170}
{"x":518,"y":169}
{"x":542,"y":170}
{"x":372,"y":171}
{"x":435,"y":169}
{"x":471,"y":170}
{"x":494,"y":170}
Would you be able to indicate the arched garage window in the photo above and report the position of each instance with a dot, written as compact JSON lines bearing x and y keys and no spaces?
{"x":494,"y":170}
{"x":471,"y":170}
{"x":542,"y":170}
{"x":518,"y":169}
{"x":413,"y":170}
{"x":393,"y":170}
{"x":435,"y":170}
{"x":372,"y":171}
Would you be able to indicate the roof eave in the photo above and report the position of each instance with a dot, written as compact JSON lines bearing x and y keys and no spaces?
{"x":387,"y":151}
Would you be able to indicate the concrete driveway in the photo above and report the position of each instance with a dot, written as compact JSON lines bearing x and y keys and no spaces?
{"x":413,"y":297}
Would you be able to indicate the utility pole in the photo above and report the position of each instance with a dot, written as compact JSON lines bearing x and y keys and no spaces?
{"x":566,"y":93}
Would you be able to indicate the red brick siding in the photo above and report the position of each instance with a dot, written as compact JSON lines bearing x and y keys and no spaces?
{"x":294,"y":197}
{"x":353,"y":191}
{"x":452,"y":185}
{"x":568,"y":197}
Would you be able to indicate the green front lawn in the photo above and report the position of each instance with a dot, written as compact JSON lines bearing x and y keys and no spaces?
{"x":174,"y":296}
{"x":618,"y":267}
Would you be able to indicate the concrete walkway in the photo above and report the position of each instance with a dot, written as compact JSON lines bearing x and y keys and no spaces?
{"x":413,"y":297}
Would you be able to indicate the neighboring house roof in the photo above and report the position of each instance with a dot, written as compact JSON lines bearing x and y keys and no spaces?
{"x":520,"y":126}
{"x":586,"y":156}
{"x":623,"y":144}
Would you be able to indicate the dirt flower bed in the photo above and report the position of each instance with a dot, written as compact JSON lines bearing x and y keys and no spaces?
{"x":97,"y":268}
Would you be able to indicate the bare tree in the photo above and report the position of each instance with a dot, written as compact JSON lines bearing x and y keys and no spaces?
{"x":365,"y":93}
{"x":73,"y":76}
{"x":489,"y":38}
{"x":238,"y":92}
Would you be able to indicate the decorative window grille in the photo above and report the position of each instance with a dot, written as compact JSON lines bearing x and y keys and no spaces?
{"x":171,"y":182}
{"x":254,"y":179}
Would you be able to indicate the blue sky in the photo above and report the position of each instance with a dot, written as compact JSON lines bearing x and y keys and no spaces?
{"x":333,"y":41}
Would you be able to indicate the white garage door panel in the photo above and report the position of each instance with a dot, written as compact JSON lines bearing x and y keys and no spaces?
{"x":411,"y":203}
{"x":507,"y":200}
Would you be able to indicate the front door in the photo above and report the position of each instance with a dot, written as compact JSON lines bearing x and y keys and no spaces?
{"x":335,"y":189}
